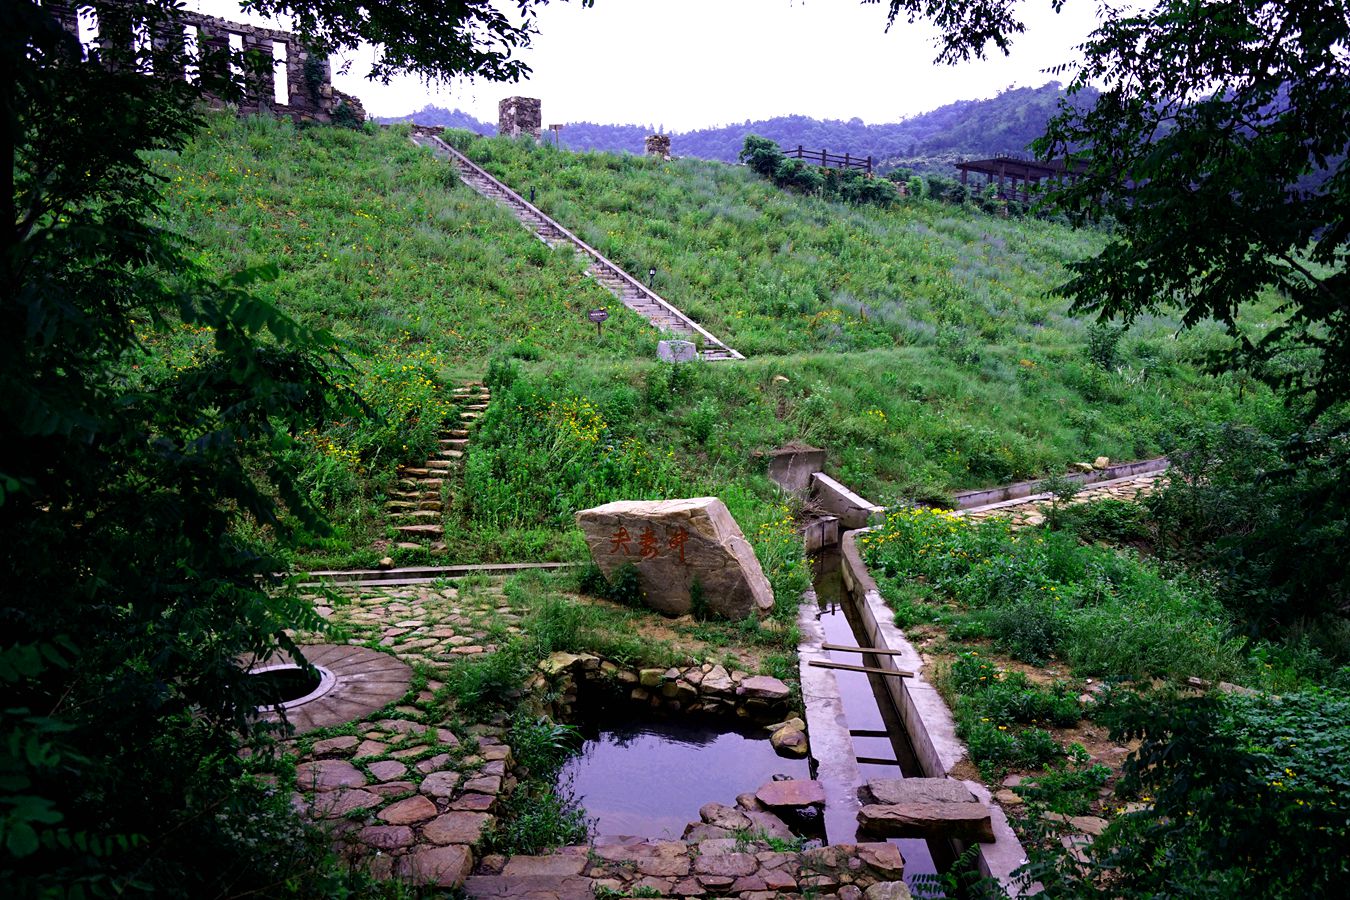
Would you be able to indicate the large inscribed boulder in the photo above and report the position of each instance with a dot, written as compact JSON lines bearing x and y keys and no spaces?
{"x":675,"y":544}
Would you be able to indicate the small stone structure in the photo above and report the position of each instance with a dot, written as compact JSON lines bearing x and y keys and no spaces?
{"x":681,"y":548}
{"x":836,"y":499}
{"x":658,"y":145}
{"x":311,"y":96}
{"x":791,"y":466}
{"x":519,"y":115}
{"x":676,"y":351}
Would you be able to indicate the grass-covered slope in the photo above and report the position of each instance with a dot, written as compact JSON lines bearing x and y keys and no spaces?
{"x":381,"y":244}
{"x":918,"y":345}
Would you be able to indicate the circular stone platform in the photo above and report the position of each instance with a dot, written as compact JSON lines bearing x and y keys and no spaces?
{"x":364,"y":681}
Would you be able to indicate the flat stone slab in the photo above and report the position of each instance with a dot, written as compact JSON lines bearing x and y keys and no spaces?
{"x":457,"y":828}
{"x":441,"y":866}
{"x":895,"y":791}
{"x":960,"y":820}
{"x":328,"y":775}
{"x":409,"y":811}
{"x":534,"y":887}
{"x":554,"y":866}
{"x":793,"y":793}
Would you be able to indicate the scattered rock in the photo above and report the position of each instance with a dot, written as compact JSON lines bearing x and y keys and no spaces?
{"x":764,"y":687}
{"x":888,"y":890}
{"x":789,"y":741}
{"x":723,"y":816}
{"x":794,"y":793}
{"x":1101,"y":462}
{"x":386,"y":563}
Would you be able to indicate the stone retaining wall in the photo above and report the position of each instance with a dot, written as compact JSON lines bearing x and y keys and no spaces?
{"x":693,"y":690}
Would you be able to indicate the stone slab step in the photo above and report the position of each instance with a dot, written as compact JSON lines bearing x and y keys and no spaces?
{"x":454,"y":443}
{"x":421,"y":530}
{"x":411,"y":471}
{"x":456,"y":432}
{"x":421,"y":515}
{"x":409,"y":484}
{"x":439,"y":465}
{"x":539,"y":887}
{"x":470,"y":416}
{"x":478,"y":406}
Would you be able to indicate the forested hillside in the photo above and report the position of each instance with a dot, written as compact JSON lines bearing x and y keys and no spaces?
{"x":1004,"y":124}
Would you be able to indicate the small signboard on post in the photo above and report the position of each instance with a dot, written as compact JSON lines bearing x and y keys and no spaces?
{"x":598,"y":316}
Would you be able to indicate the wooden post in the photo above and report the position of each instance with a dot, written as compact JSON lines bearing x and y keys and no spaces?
{"x":869,"y":164}
{"x":823,"y":161}
{"x":846,"y":162}
{"x":799,"y":152}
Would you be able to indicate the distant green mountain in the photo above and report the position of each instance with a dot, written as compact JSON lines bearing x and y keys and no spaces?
{"x":1007,"y":123}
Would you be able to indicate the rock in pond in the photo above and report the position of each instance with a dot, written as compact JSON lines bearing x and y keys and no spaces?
{"x":674,"y":544}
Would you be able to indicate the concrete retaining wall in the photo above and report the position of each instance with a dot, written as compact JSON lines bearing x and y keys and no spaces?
{"x":1018,"y":490}
{"x":837,"y":500}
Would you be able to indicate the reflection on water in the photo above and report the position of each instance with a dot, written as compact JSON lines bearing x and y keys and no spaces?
{"x":648,"y":779}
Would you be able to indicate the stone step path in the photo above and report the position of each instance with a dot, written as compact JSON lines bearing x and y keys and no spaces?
{"x":631,"y":292}
{"x":1031,"y":511}
{"x":416,"y":509}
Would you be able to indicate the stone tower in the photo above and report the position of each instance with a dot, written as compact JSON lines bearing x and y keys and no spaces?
{"x":519,"y":115}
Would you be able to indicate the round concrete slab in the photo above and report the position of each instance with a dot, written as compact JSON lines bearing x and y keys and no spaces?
{"x":366,"y":680}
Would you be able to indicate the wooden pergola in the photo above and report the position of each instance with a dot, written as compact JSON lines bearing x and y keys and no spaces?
{"x":1018,"y":178}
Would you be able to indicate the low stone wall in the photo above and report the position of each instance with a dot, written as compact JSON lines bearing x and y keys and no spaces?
{"x":1031,"y":510}
{"x":693,"y":690}
{"x":1026,"y":489}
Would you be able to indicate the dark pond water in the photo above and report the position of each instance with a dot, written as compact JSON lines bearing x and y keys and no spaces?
{"x":283,"y":684}
{"x":649,"y":778}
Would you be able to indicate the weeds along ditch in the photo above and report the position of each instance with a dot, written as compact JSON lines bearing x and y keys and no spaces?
{"x":422,"y":282}
{"x":1071,"y":656}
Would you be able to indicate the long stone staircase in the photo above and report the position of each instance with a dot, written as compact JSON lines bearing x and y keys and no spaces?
{"x":631,"y":292}
{"x":417,"y":510}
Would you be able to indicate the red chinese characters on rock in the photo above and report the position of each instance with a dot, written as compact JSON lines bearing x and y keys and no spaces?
{"x":648,"y":544}
{"x":678,"y":540}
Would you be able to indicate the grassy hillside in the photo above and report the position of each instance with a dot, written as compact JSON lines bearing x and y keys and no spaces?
{"x":917,"y":345}
{"x":773,"y":272}
{"x":383,"y":245}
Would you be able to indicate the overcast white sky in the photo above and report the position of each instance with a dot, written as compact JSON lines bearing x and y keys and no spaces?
{"x":687,"y":64}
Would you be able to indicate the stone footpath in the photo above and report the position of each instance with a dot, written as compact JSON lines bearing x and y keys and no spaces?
{"x":1031,"y":511}
{"x":416,"y":510}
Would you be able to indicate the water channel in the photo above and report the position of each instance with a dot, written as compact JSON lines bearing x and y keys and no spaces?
{"x":879,"y":739}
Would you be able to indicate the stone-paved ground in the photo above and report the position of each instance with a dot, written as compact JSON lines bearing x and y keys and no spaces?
{"x":412,"y":798}
{"x":403,"y":791}
{"x":1031,"y":510}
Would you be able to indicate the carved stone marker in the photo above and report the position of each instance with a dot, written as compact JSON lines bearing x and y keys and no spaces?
{"x":519,"y":115}
{"x":676,"y":351}
{"x":674,"y":544}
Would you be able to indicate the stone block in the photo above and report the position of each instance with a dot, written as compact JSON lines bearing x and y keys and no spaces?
{"x":676,"y":351}
{"x":675,"y":543}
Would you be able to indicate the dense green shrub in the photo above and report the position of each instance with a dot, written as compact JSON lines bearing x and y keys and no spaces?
{"x":1239,"y":796}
